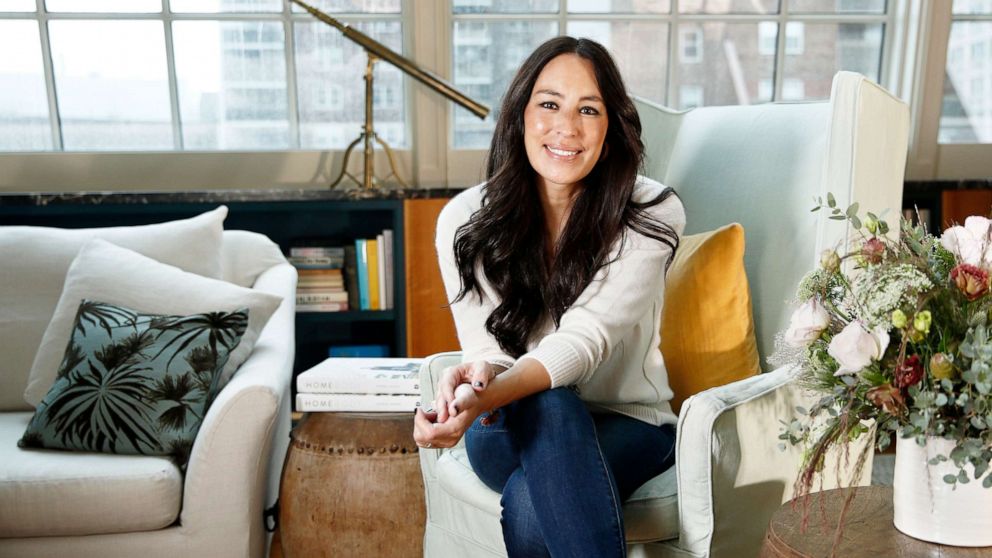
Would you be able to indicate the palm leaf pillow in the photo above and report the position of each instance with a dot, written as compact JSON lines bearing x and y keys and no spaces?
{"x":135,"y":383}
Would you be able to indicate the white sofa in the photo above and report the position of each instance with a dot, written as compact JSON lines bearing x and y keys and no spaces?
{"x":760,"y":166}
{"x":57,"y":503}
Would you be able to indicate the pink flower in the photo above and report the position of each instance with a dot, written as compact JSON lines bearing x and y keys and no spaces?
{"x":807,"y":323}
{"x":971,"y":280}
{"x":887,"y":398}
{"x":909,"y":372}
{"x":873,"y":250}
{"x":855,"y":347}
{"x":970,"y":243}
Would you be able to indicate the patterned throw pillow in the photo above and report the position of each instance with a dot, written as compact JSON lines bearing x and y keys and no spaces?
{"x":134,"y":383}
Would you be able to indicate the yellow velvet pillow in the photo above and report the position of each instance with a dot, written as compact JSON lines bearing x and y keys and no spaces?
{"x":707,"y":327}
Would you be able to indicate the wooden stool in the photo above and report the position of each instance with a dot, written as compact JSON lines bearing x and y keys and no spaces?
{"x":351,"y":486}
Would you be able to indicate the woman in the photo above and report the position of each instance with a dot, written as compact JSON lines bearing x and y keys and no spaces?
{"x":556,"y":266}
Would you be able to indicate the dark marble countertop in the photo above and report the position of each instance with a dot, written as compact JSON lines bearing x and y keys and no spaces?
{"x":218,"y":196}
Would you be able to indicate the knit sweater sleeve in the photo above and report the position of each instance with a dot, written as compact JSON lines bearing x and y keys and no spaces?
{"x":470,"y":313}
{"x":610,"y":306}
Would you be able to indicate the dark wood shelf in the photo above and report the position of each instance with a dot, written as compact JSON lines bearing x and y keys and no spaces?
{"x":348,"y":316}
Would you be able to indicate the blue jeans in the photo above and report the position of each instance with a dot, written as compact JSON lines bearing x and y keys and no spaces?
{"x":564,"y":472}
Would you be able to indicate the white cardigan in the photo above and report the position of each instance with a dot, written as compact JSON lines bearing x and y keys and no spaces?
{"x":607,"y":345}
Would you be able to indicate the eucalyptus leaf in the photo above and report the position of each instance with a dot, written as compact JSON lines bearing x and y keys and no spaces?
{"x":950,"y":479}
{"x":830,"y":200}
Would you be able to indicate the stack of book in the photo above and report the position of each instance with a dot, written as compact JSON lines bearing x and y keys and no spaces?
{"x":321,"y":283}
{"x":374,"y":271}
{"x":360,"y":385}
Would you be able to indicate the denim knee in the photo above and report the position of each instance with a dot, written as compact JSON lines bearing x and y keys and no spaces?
{"x":557,"y":402}
{"x":521,"y":528}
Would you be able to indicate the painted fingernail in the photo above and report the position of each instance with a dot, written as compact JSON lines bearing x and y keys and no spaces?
{"x":429,"y":410}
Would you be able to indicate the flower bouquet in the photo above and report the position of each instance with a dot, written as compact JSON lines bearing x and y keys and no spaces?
{"x":895,"y":337}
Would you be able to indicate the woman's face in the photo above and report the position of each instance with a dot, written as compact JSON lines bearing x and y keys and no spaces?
{"x":565,"y":122}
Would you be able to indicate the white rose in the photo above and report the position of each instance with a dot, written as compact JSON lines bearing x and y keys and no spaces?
{"x":806,"y":324}
{"x":970,"y":242}
{"x":855,"y":347}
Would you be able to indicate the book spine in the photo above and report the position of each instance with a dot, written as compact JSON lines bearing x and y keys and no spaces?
{"x":410,"y":386}
{"x":317,"y":297}
{"x":351,"y":277}
{"x":348,"y":402}
{"x":371,"y":247}
{"x":322,"y":307}
{"x":381,"y":257}
{"x":390,"y":295}
{"x":363,"y":272}
{"x":315,"y":262}
{"x":316,"y":252}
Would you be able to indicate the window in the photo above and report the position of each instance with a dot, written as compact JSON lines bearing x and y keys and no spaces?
{"x":690,"y":96}
{"x":725,"y":50}
{"x":966,"y":101}
{"x":205,"y":75}
{"x":692,"y":45}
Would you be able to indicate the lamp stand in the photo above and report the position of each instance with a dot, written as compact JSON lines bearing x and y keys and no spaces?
{"x":368,"y":135}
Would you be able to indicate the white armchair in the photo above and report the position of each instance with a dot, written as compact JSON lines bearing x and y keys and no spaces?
{"x":761,"y":166}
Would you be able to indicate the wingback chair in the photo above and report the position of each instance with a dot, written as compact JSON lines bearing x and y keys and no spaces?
{"x":761,"y":166}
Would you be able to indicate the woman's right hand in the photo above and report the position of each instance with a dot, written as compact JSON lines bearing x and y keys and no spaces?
{"x":478,"y":374}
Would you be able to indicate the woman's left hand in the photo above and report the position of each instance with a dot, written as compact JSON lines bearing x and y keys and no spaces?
{"x":428,"y":433}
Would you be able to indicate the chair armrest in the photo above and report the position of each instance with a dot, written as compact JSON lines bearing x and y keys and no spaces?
{"x":732,"y":475}
{"x":430,"y":374}
{"x":234,"y":453}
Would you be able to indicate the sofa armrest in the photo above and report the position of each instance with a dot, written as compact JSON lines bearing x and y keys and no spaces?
{"x":732,"y":474}
{"x":233,"y":457}
{"x":430,"y":374}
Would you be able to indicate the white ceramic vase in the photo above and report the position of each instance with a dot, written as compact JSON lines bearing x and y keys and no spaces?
{"x":929,"y":509}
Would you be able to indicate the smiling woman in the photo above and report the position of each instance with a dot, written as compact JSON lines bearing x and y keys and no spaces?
{"x":555,"y":268}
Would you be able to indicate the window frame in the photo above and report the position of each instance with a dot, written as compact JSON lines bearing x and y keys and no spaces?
{"x":465,"y":166}
{"x":928,"y":158}
{"x":912,"y":66}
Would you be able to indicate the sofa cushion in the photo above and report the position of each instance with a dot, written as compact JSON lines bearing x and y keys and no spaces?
{"x":245,"y":255}
{"x":115,"y":275}
{"x":650,"y":514}
{"x":55,"y":493}
{"x":35,"y":260}
{"x":135,"y":383}
{"x":707,"y":326}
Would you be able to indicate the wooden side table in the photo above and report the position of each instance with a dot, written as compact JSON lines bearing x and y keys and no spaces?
{"x":351,"y":486}
{"x":868,"y":530}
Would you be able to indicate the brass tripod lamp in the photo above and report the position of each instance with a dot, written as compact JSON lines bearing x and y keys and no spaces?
{"x":377,"y":51}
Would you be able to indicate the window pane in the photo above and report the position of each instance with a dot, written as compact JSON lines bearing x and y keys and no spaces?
{"x":331,"y":90}
{"x":24,"y":124}
{"x":730,"y":67}
{"x":620,"y":6}
{"x":837,"y":6}
{"x":353,"y":6}
{"x":486,"y":56}
{"x":214,"y":6}
{"x":232,"y":84}
{"x":504,"y":6}
{"x":856,"y":47}
{"x":113,"y":93}
{"x":967,"y":106}
{"x":104,"y":6}
{"x":972,"y":6}
{"x":17,"y":6}
{"x":729,"y":7}
{"x":644,"y":67}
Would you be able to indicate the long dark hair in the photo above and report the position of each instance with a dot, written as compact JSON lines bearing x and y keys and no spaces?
{"x":507,"y":234}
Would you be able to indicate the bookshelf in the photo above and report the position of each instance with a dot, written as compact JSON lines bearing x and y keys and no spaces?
{"x":291,"y":218}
